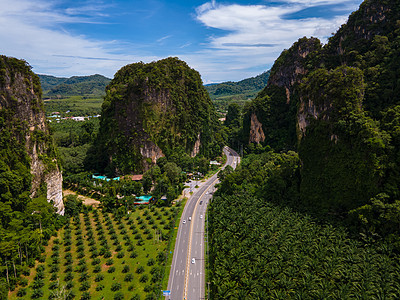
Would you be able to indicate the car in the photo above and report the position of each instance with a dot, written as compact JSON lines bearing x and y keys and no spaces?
{"x":201,"y":216}
{"x":193,"y":260}
{"x":190,"y":218}
{"x":184,"y":221}
{"x":201,"y":202}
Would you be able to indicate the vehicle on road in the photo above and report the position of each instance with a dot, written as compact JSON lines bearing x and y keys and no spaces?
{"x":201,"y":216}
{"x":201,"y":202}
{"x":193,"y":260}
{"x":184,"y":221}
{"x":190,"y":218}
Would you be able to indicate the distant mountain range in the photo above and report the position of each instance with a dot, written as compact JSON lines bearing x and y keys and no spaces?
{"x":94,"y":85}
{"x":77,"y":85}
{"x":227,"y":92}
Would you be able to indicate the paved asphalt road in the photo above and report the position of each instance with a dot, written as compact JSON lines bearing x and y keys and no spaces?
{"x":187,"y":276}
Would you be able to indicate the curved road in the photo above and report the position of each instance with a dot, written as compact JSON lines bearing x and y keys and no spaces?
{"x":187,"y":276}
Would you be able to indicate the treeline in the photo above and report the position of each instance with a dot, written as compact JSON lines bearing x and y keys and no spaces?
{"x":76,"y":85}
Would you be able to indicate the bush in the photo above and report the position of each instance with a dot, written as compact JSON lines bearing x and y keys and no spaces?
{"x":53,"y":277}
{"x":133,"y":255}
{"x":111,"y":269}
{"x":84,"y":286}
{"x":140,"y":270}
{"x":115,"y":286}
{"x":69,"y":276}
{"x":109,"y":262}
{"x":97,"y":269}
{"x":107,"y":254}
{"x":21,"y":292}
{"x":53,"y":285}
{"x":37,"y":293}
{"x":128,"y":277}
{"x":135,"y":297}
{"x":120,"y":254}
{"x":119,"y":296}
{"x":144,"y":278}
{"x":151,"y":262}
{"x":125,"y":269}
{"x":99,"y":287}
{"x":99,"y":277}
{"x":95,"y":261}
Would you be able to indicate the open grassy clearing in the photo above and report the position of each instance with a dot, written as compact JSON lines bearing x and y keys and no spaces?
{"x":77,"y":105}
{"x":102,"y":256}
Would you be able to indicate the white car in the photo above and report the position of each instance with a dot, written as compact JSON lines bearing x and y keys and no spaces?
{"x":201,"y":216}
{"x":193,"y":260}
{"x":190,"y":218}
{"x":184,"y":221}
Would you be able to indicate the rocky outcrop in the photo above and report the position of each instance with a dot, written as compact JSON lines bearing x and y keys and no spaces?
{"x":151,"y":110}
{"x":256,"y":132}
{"x":291,"y":65}
{"x":196,"y":147}
{"x":22,"y":106}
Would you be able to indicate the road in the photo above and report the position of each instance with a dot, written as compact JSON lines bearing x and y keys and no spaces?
{"x":187,"y":276}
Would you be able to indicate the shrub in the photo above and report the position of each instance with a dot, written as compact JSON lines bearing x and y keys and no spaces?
{"x":144,"y":278}
{"x":119,"y":248}
{"x":97,"y":269}
{"x":119,"y":296}
{"x":21,"y":292}
{"x":128,"y":277}
{"x":120,"y":254}
{"x":95,"y":261}
{"x":109,"y":262}
{"x":53,"y":277}
{"x":53,"y":285}
{"x":23,"y":281}
{"x":140,"y":270}
{"x":99,"y":277}
{"x":151,"y":262}
{"x":37,"y":293}
{"x":84,"y":286}
{"x":133,"y":255}
{"x":99,"y":287}
{"x":125,"y":269}
{"x":107,"y":254}
{"x":111,"y":269}
{"x":135,"y":297}
{"x":69,"y":276}
{"x":115,"y":286}
{"x":84,"y":276}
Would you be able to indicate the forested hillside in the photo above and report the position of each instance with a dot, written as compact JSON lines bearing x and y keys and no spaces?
{"x":222,"y":94}
{"x":331,"y":112}
{"x":77,"y":85}
{"x":154,"y":110}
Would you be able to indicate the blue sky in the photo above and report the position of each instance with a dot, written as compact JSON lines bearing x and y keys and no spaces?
{"x":223,"y":40}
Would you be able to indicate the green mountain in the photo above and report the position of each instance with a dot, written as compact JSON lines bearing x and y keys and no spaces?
{"x":228,"y":92}
{"x":76,"y":85}
{"x":338,"y":105}
{"x":154,"y":110}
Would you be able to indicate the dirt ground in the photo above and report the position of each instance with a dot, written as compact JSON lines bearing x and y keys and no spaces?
{"x":86,"y":200}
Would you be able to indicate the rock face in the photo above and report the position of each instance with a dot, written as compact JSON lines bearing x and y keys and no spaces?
{"x":256,"y":132}
{"x":22,"y":108}
{"x":150,"y":111}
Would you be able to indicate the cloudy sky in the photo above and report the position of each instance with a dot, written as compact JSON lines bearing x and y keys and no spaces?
{"x":223,"y":40}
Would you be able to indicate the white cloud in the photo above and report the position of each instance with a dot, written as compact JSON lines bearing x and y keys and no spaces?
{"x":32,"y":30}
{"x":257,"y":34}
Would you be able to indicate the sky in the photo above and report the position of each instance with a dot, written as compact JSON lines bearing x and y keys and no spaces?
{"x":223,"y":40}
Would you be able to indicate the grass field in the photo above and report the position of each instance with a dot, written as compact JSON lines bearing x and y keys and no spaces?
{"x":101,"y":256}
{"x":77,"y":105}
